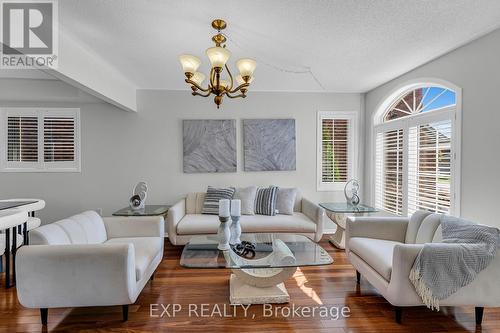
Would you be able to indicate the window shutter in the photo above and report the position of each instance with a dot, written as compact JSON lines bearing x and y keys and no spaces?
{"x":429,"y":163}
{"x":389,"y":171}
{"x":334,"y":144}
{"x":40,"y":140}
{"x":59,"y":139}
{"x":22,"y":139}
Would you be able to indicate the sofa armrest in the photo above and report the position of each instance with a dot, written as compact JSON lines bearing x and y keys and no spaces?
{"x":175,"y":214}
{"x":50,"y":276}
{"x":316,"y":214}
{"x":134,"y":226}
{"x":387,"y":228}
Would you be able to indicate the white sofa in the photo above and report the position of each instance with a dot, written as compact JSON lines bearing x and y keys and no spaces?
{"x":184,"y":220}
{"x":86,"y":260}
{"x":383,"y":250}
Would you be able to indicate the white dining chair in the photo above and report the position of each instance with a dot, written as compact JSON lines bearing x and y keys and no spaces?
{"x":10,"y":219}
{"x":32,"y":222}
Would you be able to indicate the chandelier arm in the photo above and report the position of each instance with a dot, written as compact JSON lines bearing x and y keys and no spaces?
{"x":236,"y":96}
{"x":194,"y":93}
{"x":242,"y":86}
{"x":231,"y":77}
{"x":197,"y":86}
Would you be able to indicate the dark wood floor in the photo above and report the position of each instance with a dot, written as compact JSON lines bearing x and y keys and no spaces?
{"x":332,"y":286}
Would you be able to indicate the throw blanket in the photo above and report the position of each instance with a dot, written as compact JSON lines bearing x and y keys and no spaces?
{"x":441,"y":269}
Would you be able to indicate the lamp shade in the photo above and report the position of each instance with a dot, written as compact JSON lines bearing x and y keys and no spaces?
{"x":240,"y":81}
{"x":189,"y":63}
{"x":218,"y":56}
{"x":246,"y":66}
{"x":198,"y":78}
{"x":224,"y":83}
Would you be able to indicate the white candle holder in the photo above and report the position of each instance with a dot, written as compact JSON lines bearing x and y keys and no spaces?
{"x":235,"y":231}
{"x":223,"y":234}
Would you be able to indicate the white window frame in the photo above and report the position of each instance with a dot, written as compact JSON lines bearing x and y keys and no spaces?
{"x":454,"y":113}
{"x":352,"y":149}
{"x":41,"y":165}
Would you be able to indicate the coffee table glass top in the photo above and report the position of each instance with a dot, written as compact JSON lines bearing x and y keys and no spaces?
{"x":271,"y":251}
{"x":148,"y":210}
{"x":344,"y":207}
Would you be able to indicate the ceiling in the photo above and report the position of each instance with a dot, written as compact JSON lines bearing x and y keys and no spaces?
{"x":349,"y":46}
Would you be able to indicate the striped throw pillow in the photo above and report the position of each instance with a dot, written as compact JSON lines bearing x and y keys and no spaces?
{"x":265,"y":201}
{"x":211,"y":203}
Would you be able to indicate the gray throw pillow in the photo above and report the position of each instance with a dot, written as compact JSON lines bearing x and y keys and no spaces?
{"x":211,"y":203}
{"x":265,"y":201}
{"x":285,"y":200}
{"x":247,"y":197}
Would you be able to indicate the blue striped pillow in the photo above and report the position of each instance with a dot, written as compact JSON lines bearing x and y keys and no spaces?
{"x":211,"y":203}
{"x":265,"y":201}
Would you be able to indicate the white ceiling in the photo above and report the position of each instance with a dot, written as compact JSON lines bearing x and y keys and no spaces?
{"x":350,"y":46}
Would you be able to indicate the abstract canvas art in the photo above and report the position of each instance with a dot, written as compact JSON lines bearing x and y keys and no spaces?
{"x":209,"y":146}
{"x":269,"y":144}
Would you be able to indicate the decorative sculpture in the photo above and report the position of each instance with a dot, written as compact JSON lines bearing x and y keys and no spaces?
{"x":223,"y":232}
{"x":351,"y":192}
{"x":235,"y":228}
{"x":139,"y":195}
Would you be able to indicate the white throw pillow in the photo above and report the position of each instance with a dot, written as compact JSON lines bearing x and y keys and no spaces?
{"x":247,"y":197}
{"x":285,"y":200}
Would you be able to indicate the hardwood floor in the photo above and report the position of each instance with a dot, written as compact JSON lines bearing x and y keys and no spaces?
{"x":331,"y":286}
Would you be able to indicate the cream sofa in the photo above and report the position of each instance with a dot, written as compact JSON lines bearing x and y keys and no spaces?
{"x":86,"y":260}
{"x":383,"y":250}
{"x":184,"y":220}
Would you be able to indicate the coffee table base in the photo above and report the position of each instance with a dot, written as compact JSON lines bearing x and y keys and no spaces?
{"x":242,"y":293}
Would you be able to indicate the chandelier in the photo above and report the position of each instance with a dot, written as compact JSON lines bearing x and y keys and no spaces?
{"x":218,"y":56}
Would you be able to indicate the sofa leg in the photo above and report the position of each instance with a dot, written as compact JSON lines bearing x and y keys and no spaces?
{"x":479,"y":315}
{"x":152,"y":277}
{"x":44,"y":314}
{"x":125,"y":312}
{"x":398,"y":311}
{"x":358,"y":276}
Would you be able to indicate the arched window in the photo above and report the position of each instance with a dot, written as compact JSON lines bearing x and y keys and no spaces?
{"x":416,"y":150}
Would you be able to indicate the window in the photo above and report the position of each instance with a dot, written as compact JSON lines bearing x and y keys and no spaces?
{"x":337,"y":140}
{"x":40,"y":140}
{"x":416,"y":146}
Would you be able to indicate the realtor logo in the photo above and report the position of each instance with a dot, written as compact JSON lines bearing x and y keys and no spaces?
{"x":29,"y":34}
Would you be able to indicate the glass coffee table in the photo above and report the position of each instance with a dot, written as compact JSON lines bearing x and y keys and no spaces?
{"x":261,"y":279}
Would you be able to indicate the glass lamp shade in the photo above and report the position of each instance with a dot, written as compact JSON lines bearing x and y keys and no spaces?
{"x":189,"y":63}
{"x":218,"y":56}
{"x":198,"y":78}
{"x":224,"y":83}
{"x":240,"y":81}
{"x":246,"y":66}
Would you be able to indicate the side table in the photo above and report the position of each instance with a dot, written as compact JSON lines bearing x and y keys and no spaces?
{"x":148,"y":210}
{"x":338,"y":212}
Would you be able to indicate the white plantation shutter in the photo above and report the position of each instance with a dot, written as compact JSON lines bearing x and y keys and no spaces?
{"x":334,"y":150}
{"x":389,"y":171}
{"x":22,"y":139}
{"x":59,"y":139}
{"x":430,"y":167}
{"x":336,"y":141}
{"x":415,"y":164}
{"x":40,"y":140}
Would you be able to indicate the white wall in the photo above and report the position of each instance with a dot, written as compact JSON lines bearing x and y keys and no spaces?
{"x":121,"y":148}
{"x":475,"y":68}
